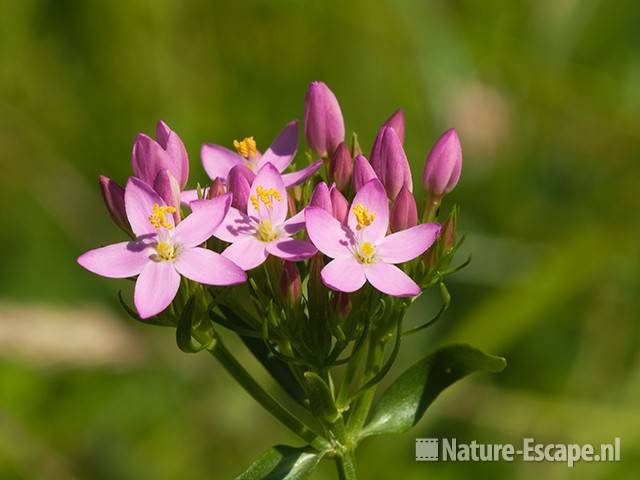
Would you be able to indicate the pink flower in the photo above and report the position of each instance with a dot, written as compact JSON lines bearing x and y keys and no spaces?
{"x":218,"y":161}
{"x":362,"y":251}
{"x":162,"y":251}
{"x":264,"y":229}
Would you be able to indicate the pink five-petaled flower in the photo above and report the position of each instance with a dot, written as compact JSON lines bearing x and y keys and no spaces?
{"x":162,"y":252}
{"x":218,"y":161}
{"x":264,"y":229}
{"x":361,"y":249}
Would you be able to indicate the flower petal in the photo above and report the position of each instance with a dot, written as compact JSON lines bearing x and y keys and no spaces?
{"x":343,"y":274}
{"x":371,"y":196}
{"x":407,"y":244}
{"x":294,"y":224}
{"x":268,"y":177}
{"x":247,"y":253}
{"x":205,"y":218}
{"x":148,"y":158}
{"x":156,"y":288}
{"x":172,"y":144}
{"x":204,"y":266}
{"x":218,"y":160}
{"x":330,"y":236}
{"x":299,"y":176}
{"x":283,"y":148}
{"x":234,"y":226}
{"x":291,"y":249}
{"x":391,"y":280}
{"x":188,"y":196}
{"x":120,"y":260}
{"x":139,"y":199}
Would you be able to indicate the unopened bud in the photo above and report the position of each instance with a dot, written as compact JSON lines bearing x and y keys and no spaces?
{"x":404,"y":212}
{"x":341,"y":166}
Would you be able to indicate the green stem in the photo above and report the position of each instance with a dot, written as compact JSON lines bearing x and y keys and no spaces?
{"x":430,"y":211}
{"x":275,"y":408}
{"x":346,"y":465}
{"x":374,"y":359}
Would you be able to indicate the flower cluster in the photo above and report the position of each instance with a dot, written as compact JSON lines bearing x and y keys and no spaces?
{"x":256,"y":209}
{"x":312,"y":265}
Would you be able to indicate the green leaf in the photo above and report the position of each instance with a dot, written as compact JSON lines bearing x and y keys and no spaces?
{"x":320,"y":398}
{"x":283,"y":463}
{"x":405,"y":401}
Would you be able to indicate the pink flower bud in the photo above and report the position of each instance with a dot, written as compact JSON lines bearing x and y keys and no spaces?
{"x":167,"y":187}
{"x":239,"y":182}
{"x":362,"y":172}
{"x":113,"y":195}
{"x":341,"y":166}
{"x":396,"y":121}
{"x":216,"y":189}
{"x":339,"y":205}
{"x":321,"y":198}
{"x":390,"y":162}
{"x":290,"y":284}
{"x":404,"y":212}
{"x":172,"y":144}
{"x":443,"y":165}
{"x":149,"y":156}
{"x":323,"y":122}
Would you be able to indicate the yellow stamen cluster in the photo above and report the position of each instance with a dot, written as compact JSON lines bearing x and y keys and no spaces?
{"x":265,"y":232}
{"x":166,"y":251}
{"x":159,"y":216}
{"x":246,"y":147}
{"x":366,"y":253}
{"x":266,"y":196}
{"x":364,"y":216}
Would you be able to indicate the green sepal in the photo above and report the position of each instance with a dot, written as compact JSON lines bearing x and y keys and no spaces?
{"x":184,"y":337}
{"x":283,"y":463}
{"x":321,"y":399}
{"x":402,"y":405}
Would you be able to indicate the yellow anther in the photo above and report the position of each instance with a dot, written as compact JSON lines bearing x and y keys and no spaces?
{"x":159,"y":216}
{"x":366,"y":253}
{"x":265,"y":232}
{"x":166,"y":251}
{"x":264,"y":195}
{"x":364,"y":216}
{"x":245,"y":147}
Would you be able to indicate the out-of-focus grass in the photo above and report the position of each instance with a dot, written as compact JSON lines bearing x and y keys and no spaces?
{"x":545,"y":96}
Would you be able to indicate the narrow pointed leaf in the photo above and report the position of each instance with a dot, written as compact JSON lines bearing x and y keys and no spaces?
{"x":405,"y":401}
{"x":320,"y":397}
{"x":283,"y":463}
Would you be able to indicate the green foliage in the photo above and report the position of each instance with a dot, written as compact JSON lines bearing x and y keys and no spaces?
{"x":408,"y":397}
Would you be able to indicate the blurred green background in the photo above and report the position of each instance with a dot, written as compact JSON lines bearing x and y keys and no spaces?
{"x":546,"y":98}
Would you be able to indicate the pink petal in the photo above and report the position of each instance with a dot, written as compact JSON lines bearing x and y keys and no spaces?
{"x":205,"y":218}
{"x":343,"y":274}
{"x":407,"y":244}
{"x":139,"y":199}
{"x":217,"y":160}
{"x":299,"y":176}
{"x":373,"y":197}
{"x":204,"y":266}
{"x":189,"y":196}
{"x":120,"y":260}
{"x":156,"y":288}
{"x":234,"y":226}
{"x":268,"y":177}
{"x":283,"y":148}
{"x":247,"y":253}
{"x":291,"y":249}
{"x":172,"y":144}
{"x":148,"y":158}
{"x":294,"y":224}
{"x":391,"y":280}
{"x":330,"y":236}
